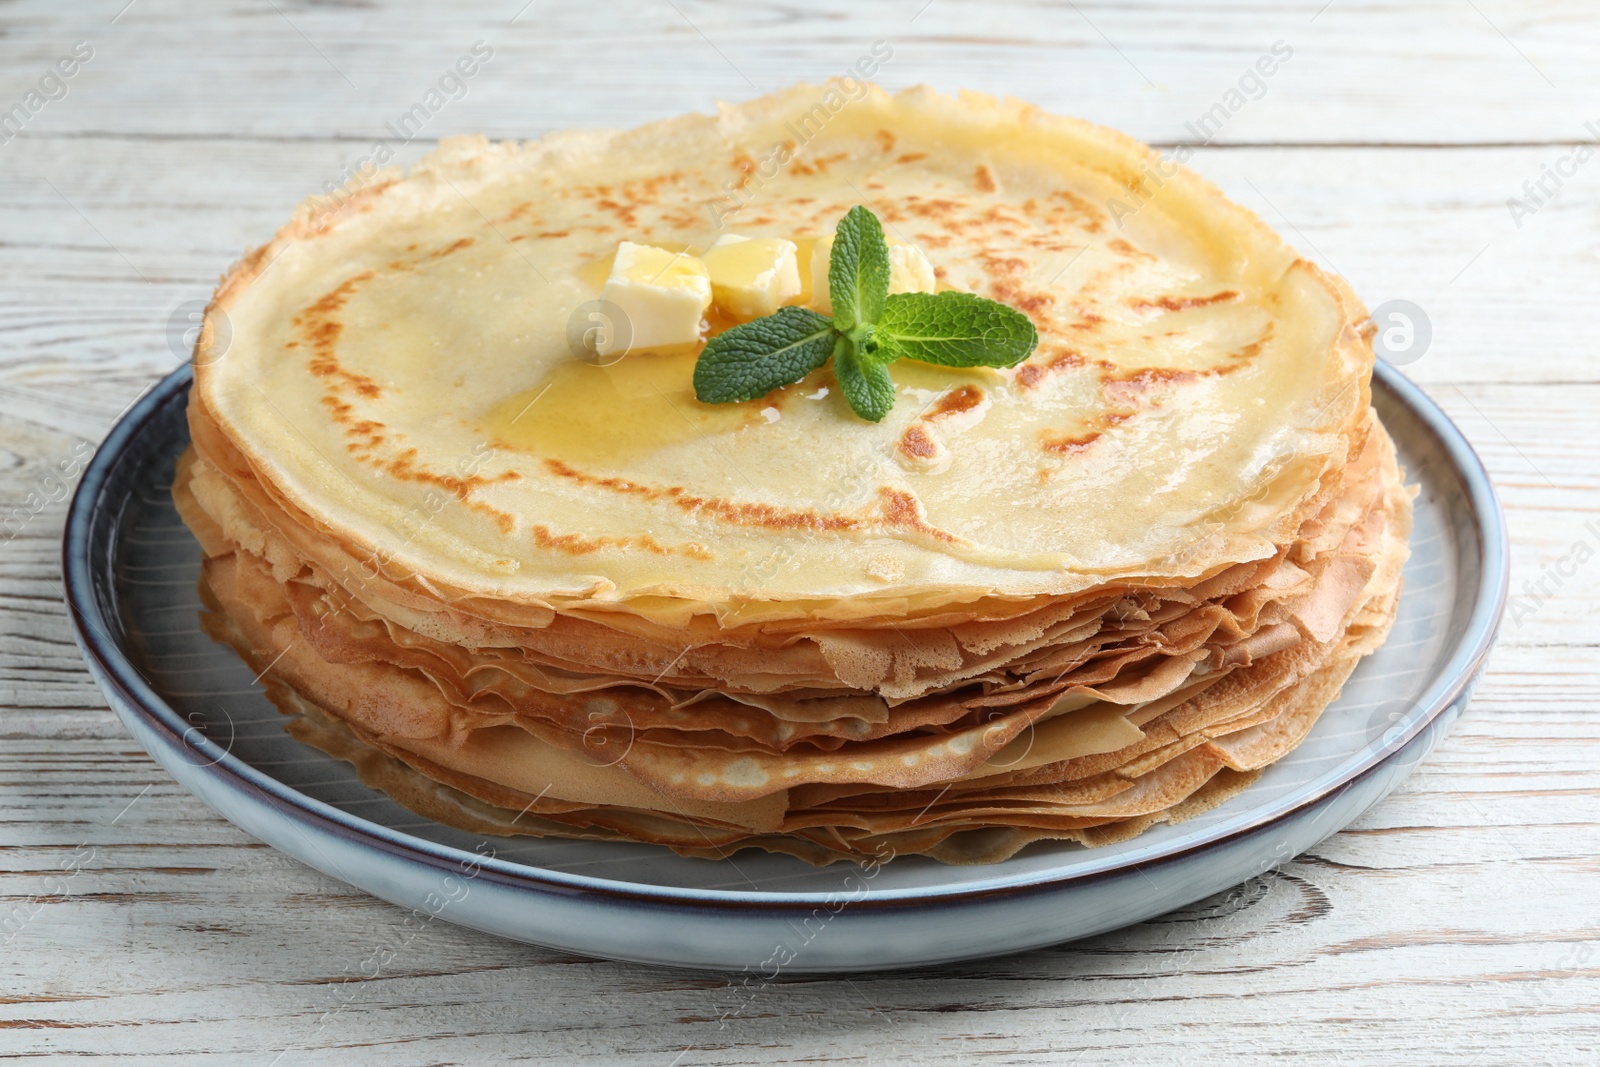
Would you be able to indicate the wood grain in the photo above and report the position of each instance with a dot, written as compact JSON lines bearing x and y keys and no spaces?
{"x":1436,"y":72}
{"x":1456,"y":922}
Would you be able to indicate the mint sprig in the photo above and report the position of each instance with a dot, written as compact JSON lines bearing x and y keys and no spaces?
{"x":869,"y":330}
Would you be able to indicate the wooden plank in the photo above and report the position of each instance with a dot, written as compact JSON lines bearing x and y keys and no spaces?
{"x":1452,"y":923}
{"x":1432,"y":72}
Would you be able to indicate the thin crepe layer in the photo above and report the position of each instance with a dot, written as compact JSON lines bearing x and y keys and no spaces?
{"x":1193,"y":753}
{"x":424,"y":702}
{"x":1051,"y":643}
{"x":1158,"y":334}
{"x":1105,"y":588}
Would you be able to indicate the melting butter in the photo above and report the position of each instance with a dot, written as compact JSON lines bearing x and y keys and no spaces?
{"x":600,"y":419}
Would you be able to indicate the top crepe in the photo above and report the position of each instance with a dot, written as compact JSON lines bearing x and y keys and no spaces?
{"x":397,"y":369}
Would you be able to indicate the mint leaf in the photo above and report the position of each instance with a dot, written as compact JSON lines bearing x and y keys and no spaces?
{"x":869,"y":330}
{"x":858,"y":270}
{"x":863,"y":380}
{"x":953,"y":329}
{"x":754,"y":358}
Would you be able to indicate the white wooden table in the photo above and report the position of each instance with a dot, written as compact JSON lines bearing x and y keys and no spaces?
{"x":1458,"y":922}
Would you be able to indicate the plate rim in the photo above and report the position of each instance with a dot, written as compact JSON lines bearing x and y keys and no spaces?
{"x":114,"y":668}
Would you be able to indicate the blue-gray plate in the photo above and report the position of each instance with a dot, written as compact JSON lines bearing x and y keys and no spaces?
{"x":131,"y":566}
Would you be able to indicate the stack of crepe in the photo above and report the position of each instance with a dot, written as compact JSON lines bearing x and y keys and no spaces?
{"x":527,"y":594}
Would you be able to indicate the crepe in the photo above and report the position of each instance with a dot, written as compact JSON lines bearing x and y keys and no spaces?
{"x":528,"y":593}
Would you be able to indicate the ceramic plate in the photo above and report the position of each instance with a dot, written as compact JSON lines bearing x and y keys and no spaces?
{"x":131,"y":567}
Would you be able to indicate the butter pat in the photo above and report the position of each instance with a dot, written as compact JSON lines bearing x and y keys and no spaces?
{"x":751,"y":277}
{"x":663,"y":296}
{"x":909,"y":271}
